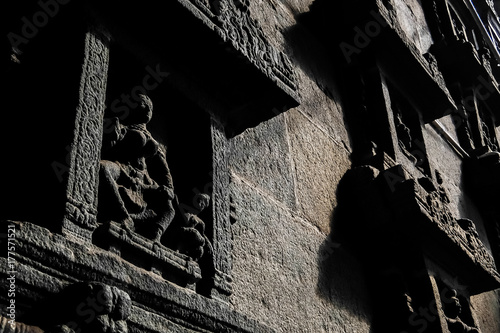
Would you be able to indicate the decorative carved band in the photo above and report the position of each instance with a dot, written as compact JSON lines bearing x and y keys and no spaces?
{"x":461,"y":231}
{"x":419,"y":210}
{"x":172,"y":265}
{"x":427,"y":205}
{"x":85,"y":155}
{"x":233,"y":23}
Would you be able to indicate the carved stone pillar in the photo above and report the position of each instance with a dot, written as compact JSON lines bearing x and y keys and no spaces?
{"x":81,"y":205}
{"x":222,"y":225}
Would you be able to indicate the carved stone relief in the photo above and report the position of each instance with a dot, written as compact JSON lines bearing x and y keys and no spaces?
{"x":462,"y":231}
{"x":234,"y":24}
{"x":408,"y":130}
{"x":136,"y":188}
{"x":106,"y":309}
{"x":85,"y":307}
{"x":482,"y":176}
{"x":81,"y":205}
{"x":138,"y":209}
{"x":456,"y":310}
{"x":247,"y":37}
{"x":434,"y":199}
{"x":412,"y":218}
{"x":434,"y":70}
{"x":419,"y":209}
{"x":487,"y":128}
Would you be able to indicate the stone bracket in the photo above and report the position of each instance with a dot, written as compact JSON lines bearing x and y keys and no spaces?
{"x":421,"y":213}
{"x":417,"y":76}
{"x":396,"y":209}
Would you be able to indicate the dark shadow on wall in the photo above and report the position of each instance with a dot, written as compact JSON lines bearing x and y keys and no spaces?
{"x":323,"y":44}
{"x":365,"y":265}
{"x":342,"y":280}
{"x":343,"y":271}
{"x":314,"y":46}
{"x":312,"y":54}
{"x":40,"y":95}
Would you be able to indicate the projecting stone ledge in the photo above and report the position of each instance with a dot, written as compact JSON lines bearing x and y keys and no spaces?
{"x":421,"y":214}
{"x":414,"y":213}
{"x":221,"y":53}
{"x":51,"y":267}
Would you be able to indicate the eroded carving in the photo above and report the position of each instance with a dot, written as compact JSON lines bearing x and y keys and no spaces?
{"x":435,"y":71}
{"x":193,"y":240}
{"x":92,"y":308}
{"x":424,"y":203}
{"x":470,"y":239}
{"x":138,"y":208}
{"x":435,"y":199}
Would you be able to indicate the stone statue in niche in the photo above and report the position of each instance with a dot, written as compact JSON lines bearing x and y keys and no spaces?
{"x":473,"y":242}
{"x":453,"y":310}
{"x":136,"y":188}
{"x":187,"y":235}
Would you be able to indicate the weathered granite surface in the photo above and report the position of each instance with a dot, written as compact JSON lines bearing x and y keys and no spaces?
{"x":250,"y":166}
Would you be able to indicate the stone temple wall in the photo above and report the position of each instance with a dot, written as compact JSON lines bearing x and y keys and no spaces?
{"x":237,"y":166}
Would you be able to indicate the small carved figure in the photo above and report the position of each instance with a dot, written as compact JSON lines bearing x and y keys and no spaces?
{"x":472,"y":236}
{"x":438,"y":199}
{"x":488,"y":137}
{"x":404,"y":134}
{"x":443,"y":194}
{"x":194,"y":241}
{"x":452,"y":312}
{"x":106,"y":309}
{"x":136,"y":187}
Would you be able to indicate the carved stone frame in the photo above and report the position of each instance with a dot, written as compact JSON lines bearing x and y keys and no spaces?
{"x":81,"y":205}
{"x":50,"y":261}
{"x":231,"y":21}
